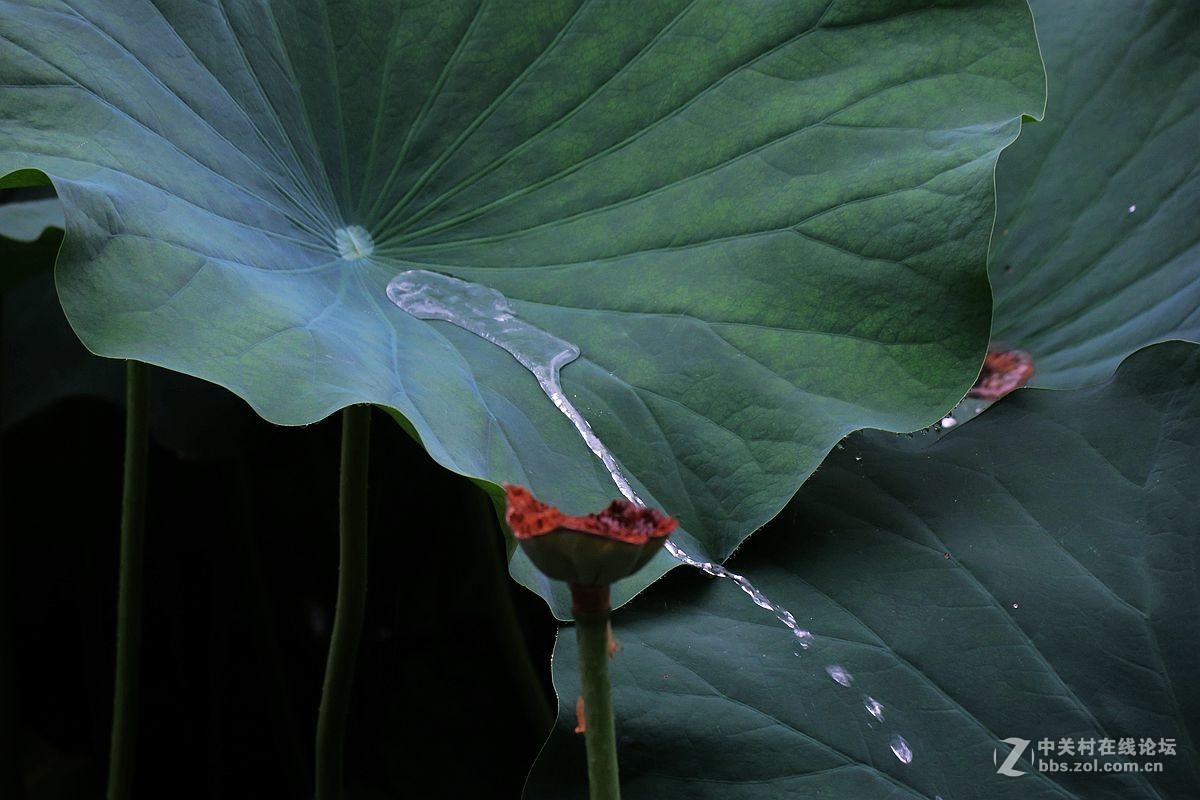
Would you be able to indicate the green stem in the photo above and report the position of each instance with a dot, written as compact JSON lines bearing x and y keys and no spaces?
{"x":122,"y":748}
{"x":592,"y":617}
{"x":351,"y":603}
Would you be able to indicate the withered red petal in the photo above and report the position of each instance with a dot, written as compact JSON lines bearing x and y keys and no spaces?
{"x":1003,"y":371}
{"x":621,"y":520}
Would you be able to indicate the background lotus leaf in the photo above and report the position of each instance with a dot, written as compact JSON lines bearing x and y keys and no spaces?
{"x":1097,"y":251}
{"x":1030,"y":575}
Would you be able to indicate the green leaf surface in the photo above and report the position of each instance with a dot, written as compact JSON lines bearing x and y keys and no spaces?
{"x":1032,"y":575}
{"x":1097,"y":247}
{"x":764,"y":223}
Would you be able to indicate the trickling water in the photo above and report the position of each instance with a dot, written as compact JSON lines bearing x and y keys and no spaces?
{"x":839,"y":674}
{"x":487,"y":313}
{"x":803,"y":637}
{"x":873,"y":706}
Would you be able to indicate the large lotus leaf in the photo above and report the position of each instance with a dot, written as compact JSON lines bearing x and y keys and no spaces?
{"x":1097,"y":247}
{"x":764,"y":223}
{"x":1030,"y":575}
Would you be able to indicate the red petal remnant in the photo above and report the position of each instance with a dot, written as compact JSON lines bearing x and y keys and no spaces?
{"x":590,"y":550}
{"x":528,"y":516}
{"x":580,"y":725}
{"x":1004,"y":371}
{"x":622,"y":520}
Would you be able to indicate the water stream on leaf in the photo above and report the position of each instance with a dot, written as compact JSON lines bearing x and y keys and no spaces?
{"x":839,"y":674}
{"x":488,"y":314}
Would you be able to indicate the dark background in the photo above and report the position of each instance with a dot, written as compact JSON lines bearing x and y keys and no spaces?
{"x":451,"y":697}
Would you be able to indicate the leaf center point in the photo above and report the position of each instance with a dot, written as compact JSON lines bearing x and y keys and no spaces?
{"x":354,"y":243}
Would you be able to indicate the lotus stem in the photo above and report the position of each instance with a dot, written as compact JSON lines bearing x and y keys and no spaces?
{"x":592,"y":616}
{"x":351,"y":603}
{"x":123,"y":744}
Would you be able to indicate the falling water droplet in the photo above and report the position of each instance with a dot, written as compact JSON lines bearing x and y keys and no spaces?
{"x":1016,"y":605}
{"x":1133,"y":208}
{"x":873,"y":706}
{"x":839,"y":674}
{"x":803,"y":637}
{"x":760,"y":600}
{"x":901,"y":749}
